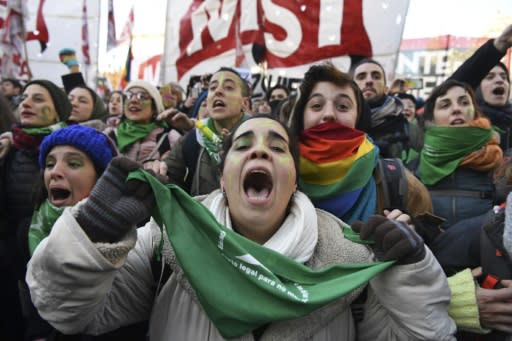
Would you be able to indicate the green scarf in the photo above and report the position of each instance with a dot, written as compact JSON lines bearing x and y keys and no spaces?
{"x":271,"y":286}
{"x":128,"y":132}
{"x":445,"y":147}
{"x":44,"y":130}
{"x":42,"y":223}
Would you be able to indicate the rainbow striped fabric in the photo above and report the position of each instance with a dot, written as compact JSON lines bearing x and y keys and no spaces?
{"x":336,"y":170}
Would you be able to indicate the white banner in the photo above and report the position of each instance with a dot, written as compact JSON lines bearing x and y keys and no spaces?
{"x":289,"y":35}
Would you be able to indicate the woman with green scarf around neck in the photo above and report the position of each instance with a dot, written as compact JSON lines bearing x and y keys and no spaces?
{"x":140,"y":136}
{"x":44,"y":107}
{"x":71,"y":161}
{"x":253,"y":260}
{"x":459,"y":154}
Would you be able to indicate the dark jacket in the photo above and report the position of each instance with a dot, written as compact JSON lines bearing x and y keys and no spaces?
{"x":190,"y":167}
{"x":464,"y":194}
{"x":391,"y":131}
{"x":472,"y":71}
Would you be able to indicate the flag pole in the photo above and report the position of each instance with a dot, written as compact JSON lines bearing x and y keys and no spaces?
{"x":24,"y":32}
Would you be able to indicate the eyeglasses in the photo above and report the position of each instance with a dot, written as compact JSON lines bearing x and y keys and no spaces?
{"x":140,"y":96}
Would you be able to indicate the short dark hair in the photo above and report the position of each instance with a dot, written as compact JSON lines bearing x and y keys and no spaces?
{"x":275,"y":87}
{"x":410,"y":97}
{"x":367,"y":61}
{"x":292,"y":142}
{"x":441,"y":90}
{"x":327,"y":72}
{"x":15,"y":83}
{"x":246,"y":91}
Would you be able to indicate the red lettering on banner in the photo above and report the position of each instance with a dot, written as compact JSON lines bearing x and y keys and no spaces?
{"x":151,"y":63}
{"x":293,"y":31}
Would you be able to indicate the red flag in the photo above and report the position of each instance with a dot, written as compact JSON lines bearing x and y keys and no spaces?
{"x":85,"y":35}
{"x":126,"y":35}
{"x":41,"y":32}
{"x":111,"y":30}
{"x":14,"y":61}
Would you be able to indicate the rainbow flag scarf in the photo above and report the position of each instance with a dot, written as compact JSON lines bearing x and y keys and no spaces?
{"x":336,"y":170}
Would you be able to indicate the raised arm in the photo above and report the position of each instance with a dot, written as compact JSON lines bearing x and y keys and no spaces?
{"x":474,"y":69}
{"x":92,"y":274}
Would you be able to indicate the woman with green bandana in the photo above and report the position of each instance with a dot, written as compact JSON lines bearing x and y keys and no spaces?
{"x":253,"y":260}
{"x":460,"y":152}
{"x":139,"y":135}
{"x":43,"y":108}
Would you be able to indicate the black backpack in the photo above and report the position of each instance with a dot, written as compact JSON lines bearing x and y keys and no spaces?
{"x":392,"y":174}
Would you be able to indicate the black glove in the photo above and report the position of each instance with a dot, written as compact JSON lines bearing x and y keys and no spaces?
{"x":394,"y":240}
{"x":114,"y":205}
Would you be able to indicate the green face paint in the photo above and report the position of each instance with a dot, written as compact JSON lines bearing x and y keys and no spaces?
{"x":47,"y":115}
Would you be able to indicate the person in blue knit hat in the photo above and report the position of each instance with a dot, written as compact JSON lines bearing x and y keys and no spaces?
{"x":71,"y":161}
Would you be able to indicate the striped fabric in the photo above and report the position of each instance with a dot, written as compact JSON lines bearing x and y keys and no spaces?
{"x":336,"y":170}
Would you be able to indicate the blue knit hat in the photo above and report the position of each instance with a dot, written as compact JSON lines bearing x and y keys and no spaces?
{"x":90,"y":141}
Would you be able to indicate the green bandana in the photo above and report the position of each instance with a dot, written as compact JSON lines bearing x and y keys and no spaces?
{"x":271,"y":286}
{"x":42,"y":223}
{"x":445,"y":147}
{"x":44,"y":130}
{"x":128,"y":132}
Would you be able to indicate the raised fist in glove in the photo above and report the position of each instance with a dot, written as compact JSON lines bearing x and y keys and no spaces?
{"x":394,"y":240}
{"x":115,"y":206}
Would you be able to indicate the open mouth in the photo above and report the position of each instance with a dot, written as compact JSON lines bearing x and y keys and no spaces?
{"x":218,"y":104}
{"x":258,"y":184}
{"x":499,"y":91}
{"x":457,"y":121}
{"x":59,"y":194}
{"x":133,"y":108}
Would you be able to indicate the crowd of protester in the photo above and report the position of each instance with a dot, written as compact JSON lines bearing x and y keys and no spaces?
{"x":343,"y":209}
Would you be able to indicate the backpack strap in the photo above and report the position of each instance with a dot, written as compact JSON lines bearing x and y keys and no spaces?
{"x":494,"y":259}
{"x":394,"y":183}
{"x":190,"y":151}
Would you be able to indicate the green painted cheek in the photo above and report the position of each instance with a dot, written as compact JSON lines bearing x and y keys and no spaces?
{"x":47,"y":115}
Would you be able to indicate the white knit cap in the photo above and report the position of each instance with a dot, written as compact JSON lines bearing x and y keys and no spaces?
{"x":152,"y":91}
{"x":507,"y":232}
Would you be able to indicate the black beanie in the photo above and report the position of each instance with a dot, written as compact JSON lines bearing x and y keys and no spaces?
{"x":59,"y":97}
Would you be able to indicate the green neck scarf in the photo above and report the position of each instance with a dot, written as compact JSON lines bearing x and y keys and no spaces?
{"x":272,"y":286}
{"x":128,"y":132}
{"x":445,"y":147}
{"x":44,"y":130}
{"x":42,"y":223}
